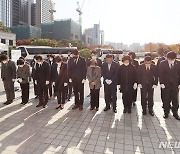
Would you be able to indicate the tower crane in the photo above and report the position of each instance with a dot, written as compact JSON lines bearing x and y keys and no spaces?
{"x":79,"y":10}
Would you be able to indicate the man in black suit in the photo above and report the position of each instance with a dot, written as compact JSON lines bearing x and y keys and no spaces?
{"x":60,"y":80}
{"x":147,"y":82}
{"x":34,"y":65}
{"x":110,"y":75}
{"x":69,"y":87}
{"x":42,"y":80}
{"x":170,"y":83}
{"x":135,"y":63}
{"x":128,"y":82}
{"x":50,"y":61}
{"x":8,"y":76}
{"x":162,"y":58}
{"x":77,"y":74}
{"x":148,"y":55}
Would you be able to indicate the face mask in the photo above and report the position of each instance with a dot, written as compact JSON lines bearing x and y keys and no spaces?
{"x":4,"y":62}
{"x":94,"y":57}
{"x":21,"y":66}
{"x":171,"y":61}
{"x":51,"y":59}
{"x":126,"y":64}
{"x":148,"y":65}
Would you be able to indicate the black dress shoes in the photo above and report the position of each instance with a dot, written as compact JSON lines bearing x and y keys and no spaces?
{"x":75,"y":107}
{"x":58,"y":107}
{"x":165,"y":116}
{"x":176,"y":117}
{"x":107,"y":108}
{"x":39,"y":105}
{"x":125,"y":110}
{"x":115,"y":111}
{"x":8,"y":102}
{"x":36,"y":97}
{"x":151,"y":113}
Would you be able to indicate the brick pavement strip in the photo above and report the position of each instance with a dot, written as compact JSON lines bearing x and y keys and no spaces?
{"x":27,"y":129}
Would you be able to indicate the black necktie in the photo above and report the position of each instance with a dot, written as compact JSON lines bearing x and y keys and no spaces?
{"x":172,"y":66}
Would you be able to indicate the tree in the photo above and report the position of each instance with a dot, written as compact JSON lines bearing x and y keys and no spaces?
{"x":3,"y":28}
{"x":23,"y":42}
{"x":44,"y":42}
{"x":86,"y":53}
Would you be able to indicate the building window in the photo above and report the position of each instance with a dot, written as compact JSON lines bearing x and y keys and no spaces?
{"x":76,"y":37}
{"x":11,"y":42}
{"x":3,"y":41}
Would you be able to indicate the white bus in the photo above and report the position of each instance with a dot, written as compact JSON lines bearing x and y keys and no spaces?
{"x":28,"y":52}
{"x":103,"y":52}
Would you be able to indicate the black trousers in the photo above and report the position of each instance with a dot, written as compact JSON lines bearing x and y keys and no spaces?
{"x":42,"y":93}
{"x":50,"y":89}
{"x":35,"y":88}
{"x":110,"y":92}
{"x":134,"y":95}
{"x":9,"y":89}
{"x":147,"y":93}
{"x":25,"y":92}
{"x":170,"y":94}
{"x":94,"y":98}
{"x":61,"y":95}
{"x":78,"y":87}
{"x":69,"y":90}
{"x":127,"y":98}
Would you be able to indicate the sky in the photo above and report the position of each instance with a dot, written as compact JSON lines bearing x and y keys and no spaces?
{"x":127,"y":21}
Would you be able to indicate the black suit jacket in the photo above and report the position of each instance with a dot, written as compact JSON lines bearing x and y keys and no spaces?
{"x":51,"y":65}
{"x":142,"y":62}
{"x":169,"y":77}
{"x":152,"y":76}
{"x":77,"y":71}
{"x":127,"y":77}
{"x":99,"y":62}
{"x":60,"y":78}
{"x":42,"y":73}
{"x":159,"y":61}
{"x":111,"y":74}
{"x":135,"y":63}
{"x":8,"y":71}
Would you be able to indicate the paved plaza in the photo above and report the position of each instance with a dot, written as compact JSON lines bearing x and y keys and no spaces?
{"x":27,"y":129}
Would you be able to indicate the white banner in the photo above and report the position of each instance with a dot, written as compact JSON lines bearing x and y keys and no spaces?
{"x":15,"y":54}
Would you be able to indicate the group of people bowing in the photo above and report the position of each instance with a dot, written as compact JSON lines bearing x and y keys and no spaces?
{"x":61,"y":76}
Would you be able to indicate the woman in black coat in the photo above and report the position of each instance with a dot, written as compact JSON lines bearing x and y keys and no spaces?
{"x":60,"y":80}
{"x":128,"y":82}
{"x":136,"y":64}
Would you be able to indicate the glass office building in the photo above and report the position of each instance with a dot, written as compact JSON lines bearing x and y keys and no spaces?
{"x":5,"y":12}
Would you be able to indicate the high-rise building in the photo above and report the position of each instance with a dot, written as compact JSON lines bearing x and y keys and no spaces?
{"x":21,"y":12}
{"x":96,"y":34}
{"x":88,"y":36}
{"x":33,"y":14}
{"x":5,"y":12}
{"x":102,"y":37}
{"x":15,"y":12}
{"x":61,"y":29}
{"x":43,"y":14}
